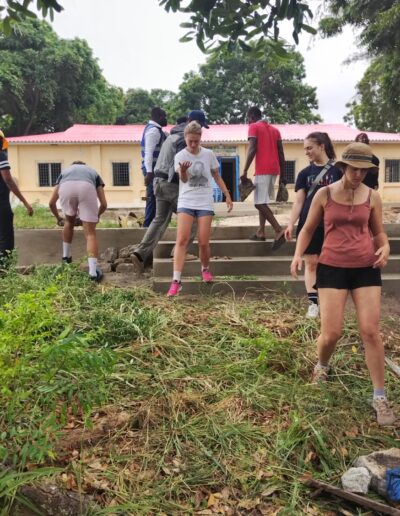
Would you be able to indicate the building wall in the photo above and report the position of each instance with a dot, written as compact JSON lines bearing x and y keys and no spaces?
{"x":24,"y":161}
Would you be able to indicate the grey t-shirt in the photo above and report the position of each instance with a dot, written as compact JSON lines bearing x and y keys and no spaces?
{"x":80,"y":173}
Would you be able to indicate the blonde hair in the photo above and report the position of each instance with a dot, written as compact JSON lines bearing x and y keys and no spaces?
{"x":192,"y":128}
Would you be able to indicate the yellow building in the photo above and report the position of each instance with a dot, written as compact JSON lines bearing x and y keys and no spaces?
{"x":114,"y":151}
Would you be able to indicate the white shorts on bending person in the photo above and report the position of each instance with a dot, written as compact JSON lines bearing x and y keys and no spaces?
{"x":264,"y":192}
{"x":79,"y":198}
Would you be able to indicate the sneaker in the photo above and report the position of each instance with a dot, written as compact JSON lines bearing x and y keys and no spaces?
{"x":174,"y":289}
{"x":138,"y":265}
{"x":207,"y":276}
{"x":98,"y":277}
{"x":66,"y":259}
{"x":384,"y":413}
{"x":313,"y":311}
{"x":320,"y":374}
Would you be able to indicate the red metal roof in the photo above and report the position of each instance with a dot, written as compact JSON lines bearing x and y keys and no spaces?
{"x":234,"y":133}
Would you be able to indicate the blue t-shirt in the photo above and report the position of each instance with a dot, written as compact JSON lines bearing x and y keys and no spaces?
{"x":306,"y":178}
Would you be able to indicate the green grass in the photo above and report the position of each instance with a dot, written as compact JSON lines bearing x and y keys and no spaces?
{"x":221,"y":408}
{"x":42,"y":218}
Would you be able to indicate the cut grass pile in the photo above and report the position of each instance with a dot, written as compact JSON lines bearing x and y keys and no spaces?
{"x":219,"y":414}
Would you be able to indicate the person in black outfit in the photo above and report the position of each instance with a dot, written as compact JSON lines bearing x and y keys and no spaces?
{"x":7,"y":184}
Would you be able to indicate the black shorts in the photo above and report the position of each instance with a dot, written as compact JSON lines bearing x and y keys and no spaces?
{"x":347,"y":278}
{"x":315,"y":245}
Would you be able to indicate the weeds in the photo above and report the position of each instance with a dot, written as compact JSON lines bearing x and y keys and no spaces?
{"x":42,"y":218}
{"x":222,"y":414}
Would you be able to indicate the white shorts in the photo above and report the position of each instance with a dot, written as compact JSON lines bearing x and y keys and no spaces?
{"x":264,"y":192}
{"x":79,"y":198}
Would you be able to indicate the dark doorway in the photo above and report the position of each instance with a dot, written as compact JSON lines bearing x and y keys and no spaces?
{"x":229,"y":170}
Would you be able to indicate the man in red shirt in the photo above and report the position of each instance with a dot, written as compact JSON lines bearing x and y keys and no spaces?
{"x":265,"y":144}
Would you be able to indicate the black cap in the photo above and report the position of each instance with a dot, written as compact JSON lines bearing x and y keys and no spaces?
{"x":198,"y":116}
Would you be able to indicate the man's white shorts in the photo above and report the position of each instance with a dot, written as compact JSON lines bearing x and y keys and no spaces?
{"x":264,"y":192}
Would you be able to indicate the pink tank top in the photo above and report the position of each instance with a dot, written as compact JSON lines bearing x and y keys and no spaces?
{"x":348,"y":241}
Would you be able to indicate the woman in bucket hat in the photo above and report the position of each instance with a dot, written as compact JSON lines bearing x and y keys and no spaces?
{"x":355,"y":249}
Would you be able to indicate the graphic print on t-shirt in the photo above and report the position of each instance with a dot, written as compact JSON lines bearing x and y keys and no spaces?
{"x":197,"y":175}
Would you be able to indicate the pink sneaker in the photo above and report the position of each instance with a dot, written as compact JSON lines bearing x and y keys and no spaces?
{"x":174,"y":289}
{"x":207,"y":276}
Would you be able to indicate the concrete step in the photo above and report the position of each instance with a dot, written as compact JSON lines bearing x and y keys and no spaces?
{"x":239,"y":232}
{"x":256,"y":284}
{"x":246,"y":265}
{"x":233,"y":248}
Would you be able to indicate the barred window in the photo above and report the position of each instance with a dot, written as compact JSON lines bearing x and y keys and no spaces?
{"x":290,"y":168}
{"x":48,"y":173}
{"x":120,"y":172}
{"x":392,"y":170}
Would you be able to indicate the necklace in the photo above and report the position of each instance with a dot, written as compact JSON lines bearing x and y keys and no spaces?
{"x":352,"y":194}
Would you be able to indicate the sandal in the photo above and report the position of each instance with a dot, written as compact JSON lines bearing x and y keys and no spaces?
{"x":257,"y":238}
{"x":278,"y":242}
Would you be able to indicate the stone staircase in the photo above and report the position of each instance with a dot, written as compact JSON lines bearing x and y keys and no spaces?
{"x":240,"y":265}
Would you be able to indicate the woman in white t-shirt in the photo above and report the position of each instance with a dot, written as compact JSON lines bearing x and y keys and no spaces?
{"x":197,"y":167}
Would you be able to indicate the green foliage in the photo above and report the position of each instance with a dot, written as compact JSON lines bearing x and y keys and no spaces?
{"x":47,"y":83}
{"x":217,"y":388}
{"x":139,"y":103}
{"x":376,"y":106}
{"x":42,"y":218}
{"x":378,"y":21}
{"x":231,"y":82}
{"x":15,"y":12}
{"x":226,"y":24}
{"x":44,"y":364}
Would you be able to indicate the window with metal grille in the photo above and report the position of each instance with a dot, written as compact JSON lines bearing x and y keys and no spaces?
{"x":120,"y":174}
{"x":290,"y":168}
{"x":392,"y":170}
{"x":48,"y":173}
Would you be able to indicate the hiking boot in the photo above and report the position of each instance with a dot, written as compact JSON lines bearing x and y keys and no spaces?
{"x":320,"y":374}
{"x":384,"y":413}
{"x":206,"y":276}
{"x":66,"y":259}
{"x":98,"y":277}
{"x":313,"y":311}
{"x":138,"y":265}
{"x":174,"y":289}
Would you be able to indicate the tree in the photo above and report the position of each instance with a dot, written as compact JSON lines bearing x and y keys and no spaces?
{"x":138,"y":104}
{"x":232,"y":21}
{"x":230,"y":82}
{"x":376,"y":105}
{"x":15,"y":11}
{"x":377,"y":20}
{"x":224,"y":24}
{"x":47,"y":83}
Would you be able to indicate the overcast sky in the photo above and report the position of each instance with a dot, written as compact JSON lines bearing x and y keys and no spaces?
{"x":137,"y":45}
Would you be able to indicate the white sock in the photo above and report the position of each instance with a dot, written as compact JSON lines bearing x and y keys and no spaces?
{"x":321,"y":366}
{"x":177,"y":276}
{"x":204,"y":268}
{"x":66,"y":250}
{"x":92,"y":266}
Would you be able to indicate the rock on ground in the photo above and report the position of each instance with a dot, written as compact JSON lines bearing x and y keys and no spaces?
{"x":356,"y":480}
